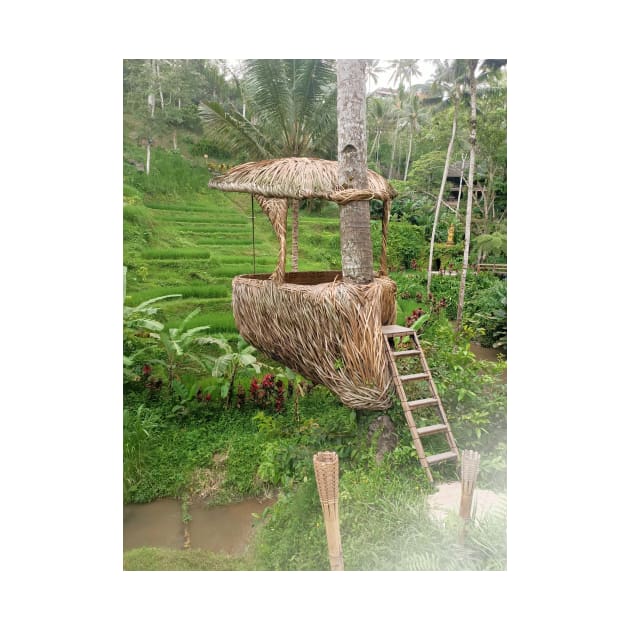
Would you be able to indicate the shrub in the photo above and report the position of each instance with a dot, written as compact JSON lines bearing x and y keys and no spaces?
{"x":170,"y":176}
{"x":488,"y":311}
{"x":404,"y":244}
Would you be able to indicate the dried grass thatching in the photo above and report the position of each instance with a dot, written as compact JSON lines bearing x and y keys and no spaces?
{"x":273,"y":182}
{"x":295,"y":178}
{"x":327,"y":330}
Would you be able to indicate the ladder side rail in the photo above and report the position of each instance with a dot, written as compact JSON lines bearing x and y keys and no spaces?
{"x":402,"y":395}
{"x":449,"y":434}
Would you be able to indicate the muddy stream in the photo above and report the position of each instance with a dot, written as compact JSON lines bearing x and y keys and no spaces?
{"x":225,"y":528}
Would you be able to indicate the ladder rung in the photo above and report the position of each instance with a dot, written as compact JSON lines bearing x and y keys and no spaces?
{"x":422,"y":402}
{"x":434,"y":428}
{"x":396,"y":331}
{"x":414,"y":377}
{"x":441,"y":457}
{"x":405,"y":353}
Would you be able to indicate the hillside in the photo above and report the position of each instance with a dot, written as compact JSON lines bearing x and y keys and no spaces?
{"x":181,"y":237}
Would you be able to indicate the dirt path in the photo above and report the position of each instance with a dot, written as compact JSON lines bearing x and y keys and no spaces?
{"x":447,"y":499}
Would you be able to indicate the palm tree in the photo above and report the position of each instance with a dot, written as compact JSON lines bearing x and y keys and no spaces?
{"x":372,"y":70}
{"x":356,"y":240}
{"x":379,"y":114}
{"x":412,"y":123}
{"x":449,"y":78}
{"x":478,"y":69}
{"x":398,"y":108}
{"x":292,"y":113}
{"x":402,"y":70}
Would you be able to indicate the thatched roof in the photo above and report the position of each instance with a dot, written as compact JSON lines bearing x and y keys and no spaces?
{"x":456,"y":169}
{"x":294,"y":178}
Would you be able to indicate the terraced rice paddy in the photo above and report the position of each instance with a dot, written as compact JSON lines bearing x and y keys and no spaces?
{"x":195,"y":249}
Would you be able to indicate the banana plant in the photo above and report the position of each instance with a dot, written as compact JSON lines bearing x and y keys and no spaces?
{"x":228,"y":365}
{"x":180,"y":344}
{"x":138,"y":323}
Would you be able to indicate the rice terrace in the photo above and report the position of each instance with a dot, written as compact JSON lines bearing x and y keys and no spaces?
{"x":315,"y":315}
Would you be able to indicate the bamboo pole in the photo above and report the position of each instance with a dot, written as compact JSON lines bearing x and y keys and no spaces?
{"x":470,"y":470}
{"x":326,"y":464}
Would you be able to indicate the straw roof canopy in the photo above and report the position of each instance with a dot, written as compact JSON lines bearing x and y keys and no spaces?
{"x":295,"y":178}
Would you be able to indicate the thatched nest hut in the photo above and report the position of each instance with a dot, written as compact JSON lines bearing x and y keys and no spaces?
{"x":327,"y":330}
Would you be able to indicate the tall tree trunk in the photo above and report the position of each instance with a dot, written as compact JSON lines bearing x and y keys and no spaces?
{"x":174,"y":139}
{"x":375,"y":143}
{"x":391,"y":163}
{"x":148,"y":169}
{"x":408,"y":153}
{"x":441,"y":197}
{"x":151,"y":95}
{"x":461,"y":181}
{"x":356,"y":240}
{"x":295,"y":226}
{"x":159,"y":83}
{"x":472,"y":64}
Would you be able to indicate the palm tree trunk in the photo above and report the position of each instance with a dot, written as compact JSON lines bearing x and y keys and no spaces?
{"x":375,"y":143}
{"x":159,"y":82}
{"x":461,"y":181}
{"x":295,"y":215}
{"x":441,"y":196}
{"x":356,"y":240}
{"x":148,"y":167}
{"x":391,"y":163}
{"x":471,"y":180}
{"x":408,"y":153}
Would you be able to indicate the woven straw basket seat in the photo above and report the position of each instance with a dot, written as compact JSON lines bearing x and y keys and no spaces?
{"x":327,"y":330}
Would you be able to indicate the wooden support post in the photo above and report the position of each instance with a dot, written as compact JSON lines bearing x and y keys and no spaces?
{"x":326,"y":464}
{"x":470,"y":470}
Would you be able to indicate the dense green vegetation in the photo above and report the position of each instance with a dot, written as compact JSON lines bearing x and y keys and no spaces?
{"x":200,"y":404}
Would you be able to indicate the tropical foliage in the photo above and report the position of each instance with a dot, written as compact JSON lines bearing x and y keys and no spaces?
{"x":201,"y":404}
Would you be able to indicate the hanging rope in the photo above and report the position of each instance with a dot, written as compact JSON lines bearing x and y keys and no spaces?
{"x":253,"y":235}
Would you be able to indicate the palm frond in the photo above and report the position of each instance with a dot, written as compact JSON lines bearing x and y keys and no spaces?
{"x":313,"y":78}
{"x":233,"y":132}
{"x":267,"y":82}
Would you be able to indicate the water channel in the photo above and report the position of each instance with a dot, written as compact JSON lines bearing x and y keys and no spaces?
{"x":225,"y":528}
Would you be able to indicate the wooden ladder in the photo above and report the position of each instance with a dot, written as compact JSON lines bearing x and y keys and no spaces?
{"x":390,"y":333}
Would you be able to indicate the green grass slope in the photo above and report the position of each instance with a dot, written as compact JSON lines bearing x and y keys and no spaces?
{"x":194,"y":242}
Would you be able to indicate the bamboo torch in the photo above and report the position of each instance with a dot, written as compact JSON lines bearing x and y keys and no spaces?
{"x":326,"y":464}
{"x":470,"y":470}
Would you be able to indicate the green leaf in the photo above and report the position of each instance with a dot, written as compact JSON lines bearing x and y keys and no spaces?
{"x":247,"y":359}
{"x":420,"y":321}
{"x":143,"y":307}
{"x":188,"y":317}
{"x":149,"y":324}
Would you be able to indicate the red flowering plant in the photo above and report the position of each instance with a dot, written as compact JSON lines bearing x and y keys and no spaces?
{"x":268,"y":392}
{"x":419,"y":316}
